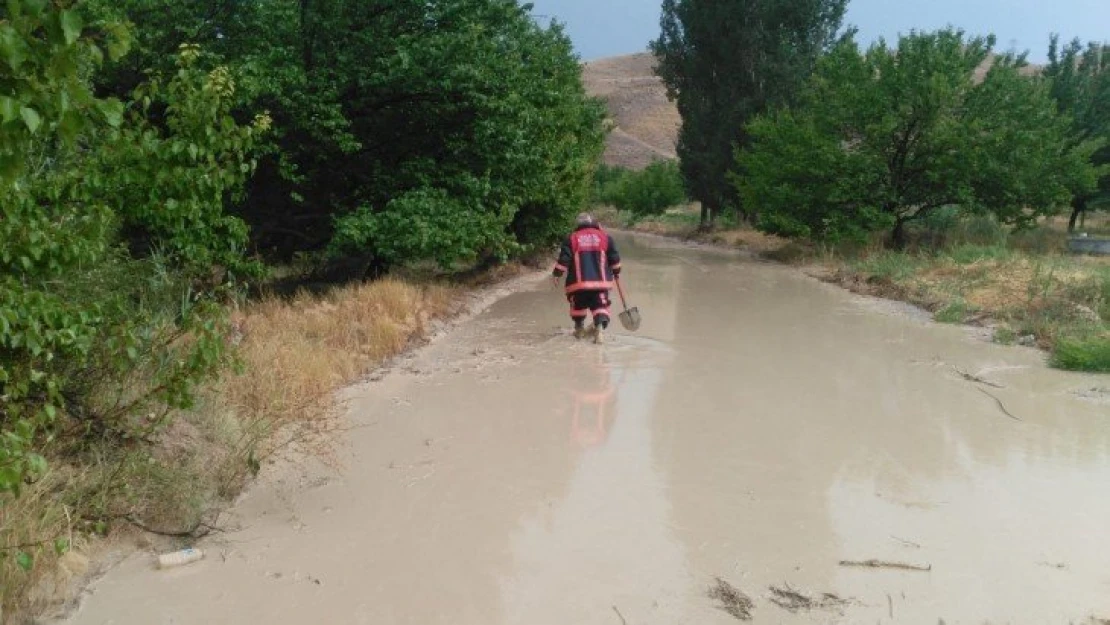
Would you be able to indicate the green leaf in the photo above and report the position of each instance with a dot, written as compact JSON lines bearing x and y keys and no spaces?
{"x":12,"y":47}
{"x":71,"y":26}
{"x":31,"y":118}
{"x":35,"y":7}
{"x":61,"y":546}
{"x":24,"y":560}
{"x":9,"y":109}
{"x":112,"y":110}
{"x":36,"y":464}
{"x":10,"y":166}
{"x":70,"y":126}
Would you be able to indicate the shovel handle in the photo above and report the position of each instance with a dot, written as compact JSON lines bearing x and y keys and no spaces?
{"x":620,"y":290}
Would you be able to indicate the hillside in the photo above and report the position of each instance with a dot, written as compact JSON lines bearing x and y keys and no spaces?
{"x":646,"y":121}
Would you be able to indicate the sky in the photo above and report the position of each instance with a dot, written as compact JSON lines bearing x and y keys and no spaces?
{"x":601,"y":28}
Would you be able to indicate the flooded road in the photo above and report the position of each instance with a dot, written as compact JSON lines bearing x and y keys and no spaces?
{"x":761,"y":428}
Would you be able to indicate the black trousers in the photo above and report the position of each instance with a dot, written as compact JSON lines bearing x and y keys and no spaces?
{"x":584,"y":303}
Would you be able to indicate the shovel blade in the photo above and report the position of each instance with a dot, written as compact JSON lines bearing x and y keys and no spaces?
{"x":630,"y":319}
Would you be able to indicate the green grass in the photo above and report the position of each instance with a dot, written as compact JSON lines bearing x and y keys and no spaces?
{"x":970,"y":253}
{"x":1005,"y":335}
{"x":1079,"y":353}
{"x":895,"y":266}
{"x":954,"y":312}
{"x":682,"y":219}
{"x":1040,"y":240}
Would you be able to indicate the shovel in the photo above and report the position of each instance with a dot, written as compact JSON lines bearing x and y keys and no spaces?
{"x":630,"y":318}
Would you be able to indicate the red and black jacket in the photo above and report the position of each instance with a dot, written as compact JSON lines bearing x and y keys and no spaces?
{"x":590,"y":259}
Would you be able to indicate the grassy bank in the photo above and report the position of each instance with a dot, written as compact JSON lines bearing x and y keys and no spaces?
{"x":683,"y":223}
{"x":1023,"y":285}
{"x":1057,"y":302}
{"x":170,"y":487}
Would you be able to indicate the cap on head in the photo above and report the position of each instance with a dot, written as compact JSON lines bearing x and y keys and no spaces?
{"x":585,"y":219}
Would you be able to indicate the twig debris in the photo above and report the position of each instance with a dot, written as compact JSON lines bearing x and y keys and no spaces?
{"x":881,"y":564}
{"x":907,"y":543}
{"x":732,"y":600}
{"x":976,"y":379}
{"x":792,"y":600}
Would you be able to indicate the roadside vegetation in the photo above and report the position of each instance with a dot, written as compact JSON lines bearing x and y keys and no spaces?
{"x":165,"y":165}
{"x":933,"y":169}
{"x":640,"y":194}
{"x":1023,"y":284}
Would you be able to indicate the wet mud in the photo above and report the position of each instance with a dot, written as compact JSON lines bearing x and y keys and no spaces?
{"x":830,"y":458}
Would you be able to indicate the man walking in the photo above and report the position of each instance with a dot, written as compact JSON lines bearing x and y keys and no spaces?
{"x":591,"y":262}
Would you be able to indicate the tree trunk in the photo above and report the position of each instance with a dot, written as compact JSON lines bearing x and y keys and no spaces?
{"x":900,"y":235}
{"x":1078,"y":207}
{"x":306,"y":36}
{"x":706,"y":217}
{"x":376,"y":269}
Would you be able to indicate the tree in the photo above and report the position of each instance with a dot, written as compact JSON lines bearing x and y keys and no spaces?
{"x":464,"y":99}
{"x":1080,"y":79}
{"x":883,"y":138}
{"x":726,"y":61}
{"x":382,"y":109}
{"x":644,"y":193}
{"x":91,"y":334}
{"x":269,"y":47}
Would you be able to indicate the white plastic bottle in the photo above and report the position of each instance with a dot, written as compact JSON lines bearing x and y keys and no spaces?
{"x":179,"y":558}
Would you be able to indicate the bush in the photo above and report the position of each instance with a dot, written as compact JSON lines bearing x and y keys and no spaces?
{"x":1083,"y":353}
{"x":93,"y":335}
{"x":954,"y":312}
{"x":607,"y":182}
{"x":423,"y":224}
{"x":643,"y":193}
{"x":871,"y":146}
{"x":982,"y":230}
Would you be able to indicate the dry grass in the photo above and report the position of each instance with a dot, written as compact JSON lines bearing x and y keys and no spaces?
{"x":30,"y":526}
{"x":682,"y":223}
{"x":296,"y":353}
{"x":1061,"y":303}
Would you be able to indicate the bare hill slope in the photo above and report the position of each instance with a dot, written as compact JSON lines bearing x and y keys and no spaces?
{"x":646,"y":122}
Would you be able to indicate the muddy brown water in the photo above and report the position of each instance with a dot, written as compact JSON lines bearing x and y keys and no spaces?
{"x":760,"y":428}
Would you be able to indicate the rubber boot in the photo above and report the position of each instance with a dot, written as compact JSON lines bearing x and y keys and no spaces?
{"x":580,"y":331}
{"x":598,"y":331}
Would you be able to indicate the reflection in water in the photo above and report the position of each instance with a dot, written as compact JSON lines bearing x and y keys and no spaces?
{"x":593,"y":400}
{"x":607,"y":541}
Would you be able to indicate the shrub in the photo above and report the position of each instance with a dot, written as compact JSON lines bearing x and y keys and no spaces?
{"x":1083,"y":353}
{"x":643,"y":193}
{"x":953,"y":312}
